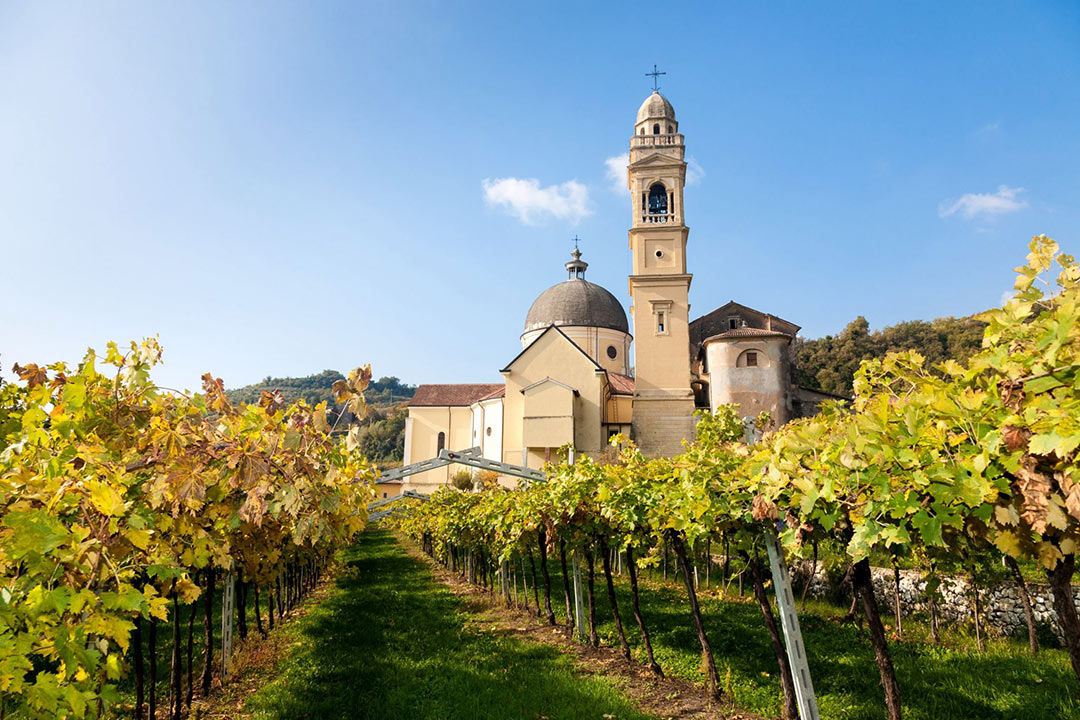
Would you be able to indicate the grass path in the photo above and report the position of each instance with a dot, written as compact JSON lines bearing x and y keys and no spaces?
{"x":391,"y":642}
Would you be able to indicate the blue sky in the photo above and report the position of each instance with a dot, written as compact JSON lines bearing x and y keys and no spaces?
{"x":276,"y":189}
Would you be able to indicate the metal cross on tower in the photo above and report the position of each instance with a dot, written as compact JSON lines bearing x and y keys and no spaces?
{"x":655,"y":77}
{"x":576,"y":241}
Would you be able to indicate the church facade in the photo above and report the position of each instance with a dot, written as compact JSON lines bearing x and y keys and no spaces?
{"x":575,"y":380}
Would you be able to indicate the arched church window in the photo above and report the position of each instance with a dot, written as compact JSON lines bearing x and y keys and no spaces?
{"x":442,"y":442}
{"x":752,"y":358}
{"x":642,"y":132}
{"x":658,"y":200}
{"x":669,"y":130}
{"x":656,"y":129}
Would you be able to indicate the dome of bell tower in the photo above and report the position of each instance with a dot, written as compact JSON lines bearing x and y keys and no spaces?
{"x":656,"y":116}
{"x":656,"y":106}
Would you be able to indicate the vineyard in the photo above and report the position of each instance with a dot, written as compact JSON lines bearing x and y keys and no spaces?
{"x":125,"y":506}
{"x":953,"y":466}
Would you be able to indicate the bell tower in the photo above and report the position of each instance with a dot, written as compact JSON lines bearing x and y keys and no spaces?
{"x":659,"y":284}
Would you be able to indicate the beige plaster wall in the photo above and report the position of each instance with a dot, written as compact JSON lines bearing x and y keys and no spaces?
{"x":661,"y":361}
{"x":619,"y":409}
{"x":425,"y":424}
{"x":765,"y":387}
{"x":595,"y":342}
{"x":552,"y":356}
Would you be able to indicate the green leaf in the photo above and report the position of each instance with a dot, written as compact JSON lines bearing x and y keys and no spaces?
{"x":1053,"y":443}
{"x":929,"y":527}
{"x":34,"y":532}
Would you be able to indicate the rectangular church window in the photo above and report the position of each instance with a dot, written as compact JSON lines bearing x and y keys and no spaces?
{"x":751,"y":359}
{"x":660,"y":322}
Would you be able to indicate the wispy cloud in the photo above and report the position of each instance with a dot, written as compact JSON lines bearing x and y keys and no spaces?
{"x":616,"y":171}
{"x":528,"y":202}
{"x":989,"y":130}
{"x":973,"y":205}
{"x":694,"y":172}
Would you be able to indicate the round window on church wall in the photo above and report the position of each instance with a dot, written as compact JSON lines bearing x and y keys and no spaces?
{"x":659,"y":253}
{"x":489,"y":432}
{"x":612,"y":352}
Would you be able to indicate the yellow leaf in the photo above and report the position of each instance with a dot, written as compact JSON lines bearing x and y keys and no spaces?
{"x":1008,"y":543}
{"x":1006,"y":515}
{"x":105,"y":498}
{"x":1056,"y":517}
{"x":188,"y":590}
{"x":1049,"y":555}
{"x":138,"y":538}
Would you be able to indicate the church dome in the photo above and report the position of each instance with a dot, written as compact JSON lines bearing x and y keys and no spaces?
{"x":577,"y":302}
{"x":655,"y":107}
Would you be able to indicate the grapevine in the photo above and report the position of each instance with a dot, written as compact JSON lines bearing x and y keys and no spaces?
{"x":120,"y":500}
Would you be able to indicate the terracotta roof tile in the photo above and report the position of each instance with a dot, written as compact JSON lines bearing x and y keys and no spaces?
{"x":621,"y":384}
{"x":461,"y":394}
{"x":745,"y":332}
{"x":501,"y":392}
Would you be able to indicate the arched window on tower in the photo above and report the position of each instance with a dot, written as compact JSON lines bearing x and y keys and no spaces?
{"x":658,"y":199}
{"x":656,"y":129}
{"x":670,"y":130}
{"x":441,"y":443}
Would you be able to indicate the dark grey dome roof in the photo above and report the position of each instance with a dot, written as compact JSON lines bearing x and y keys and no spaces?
{"x":577,"y":302}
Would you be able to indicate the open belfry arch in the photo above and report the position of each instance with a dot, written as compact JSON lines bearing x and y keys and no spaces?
{"x":582,"y":377}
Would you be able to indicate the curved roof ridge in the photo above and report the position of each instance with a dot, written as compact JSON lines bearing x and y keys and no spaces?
{"x":577,"y":302}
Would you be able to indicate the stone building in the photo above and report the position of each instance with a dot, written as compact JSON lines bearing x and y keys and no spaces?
{"x":571,"y":383}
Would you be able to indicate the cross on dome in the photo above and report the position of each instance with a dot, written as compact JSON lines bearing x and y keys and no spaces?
{"x":655,"y":77}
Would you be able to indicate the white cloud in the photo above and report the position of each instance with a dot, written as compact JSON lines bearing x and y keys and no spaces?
{"x":528,"y":202}
{"x":972,"y":205}
{"x":1006,"y":297}
{"x":616,"y":171}
{"x":694,"y":172}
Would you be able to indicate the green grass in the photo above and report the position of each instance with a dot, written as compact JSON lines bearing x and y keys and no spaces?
{"x":391,"y":642}
{"x":952,"y":680}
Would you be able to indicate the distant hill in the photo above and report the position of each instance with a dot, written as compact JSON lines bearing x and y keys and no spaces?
{"x":382,"y":430}
{"x":316,"y":388}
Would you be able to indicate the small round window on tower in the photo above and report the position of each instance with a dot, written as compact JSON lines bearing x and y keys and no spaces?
{"x":489,"y":432}
{"x":659,"y":253}
{"x":612,"y":352}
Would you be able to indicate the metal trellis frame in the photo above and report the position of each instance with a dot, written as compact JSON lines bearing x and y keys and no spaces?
{"x":805,"y":698}
{"x":227,"y":622}
{"x":472,"y":457}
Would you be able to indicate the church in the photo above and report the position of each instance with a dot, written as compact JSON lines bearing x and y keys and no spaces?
{"x":581,"y":377}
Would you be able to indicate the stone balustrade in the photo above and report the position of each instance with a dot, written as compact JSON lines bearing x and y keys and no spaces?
{"x":642,"y":141}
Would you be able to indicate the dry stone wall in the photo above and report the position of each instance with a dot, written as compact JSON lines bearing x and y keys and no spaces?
{"x":1000,"y":603}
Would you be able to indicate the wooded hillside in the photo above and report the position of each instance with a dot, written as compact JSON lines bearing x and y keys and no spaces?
{"x":382,"y":430}
{"x":829,"y":363}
